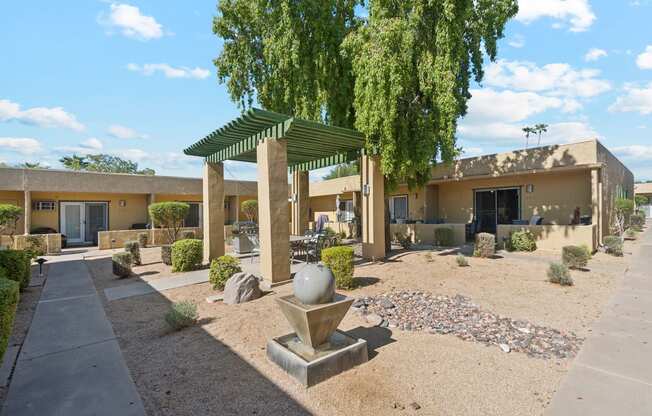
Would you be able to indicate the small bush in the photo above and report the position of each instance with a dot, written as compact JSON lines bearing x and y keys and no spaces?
{"x":187,"y":255}
{"x":35,"y":246}
{"x":588,"y":251}
{"x":17,"y":266}
{"x":222,"y":268}
{"x":485,"y":245}
{"x":8,"y":302}
{"x":403,"y":240}
{"x":559,"y":273}
{"x":166,"y":254}
{"x":121,"y":263}
{"x":574,"y":257}
{"x":637,"y":221}
{"x":181,"y":314}
{"x":187,"y":234}
{"x":340,"y":261}
{"x":521,"y":241}
{"x":461,"y":260}
{"x":444,"y":237}
{"x":143,"y":239}
{"x":133,"y":248}
{"x":630,"y":233}
{"x":613,"y":245}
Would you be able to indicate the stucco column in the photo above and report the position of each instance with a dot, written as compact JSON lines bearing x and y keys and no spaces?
{"x":300,"y":202}
{"x":273,"y":210}
{"x":213,"y":208}
{"x":357,"y":212}
{"x":27,"y":218}
{"x":373,"y":209}
{"x":151,"y":199}
{"x":596,"y":212}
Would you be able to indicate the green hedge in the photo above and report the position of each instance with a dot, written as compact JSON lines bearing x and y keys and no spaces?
{"x":17,"y":266}
{"x":121,"y":264}
{"x":222,"y":268}
{"x":187,"y":255}
{"x":340,"y":261}
{"x":613,"y":245}
{"x":522,"y":241}
{"x":575,"y":257}
{"x":133,"y":247}
{"x":8,"y":302}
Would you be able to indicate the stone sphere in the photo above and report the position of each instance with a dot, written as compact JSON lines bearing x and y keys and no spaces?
{"x":314,"y":284}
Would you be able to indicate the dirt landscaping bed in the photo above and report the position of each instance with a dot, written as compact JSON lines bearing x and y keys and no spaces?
{"x":220,"y":365}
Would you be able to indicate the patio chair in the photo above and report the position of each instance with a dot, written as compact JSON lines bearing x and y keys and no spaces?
{"x":314,"y":247}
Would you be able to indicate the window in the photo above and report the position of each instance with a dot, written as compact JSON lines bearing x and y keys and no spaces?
{"x":398,"y":207}
{"x":194,"y":217}
{"x":44,"y":206}
{"x":349,"y":214}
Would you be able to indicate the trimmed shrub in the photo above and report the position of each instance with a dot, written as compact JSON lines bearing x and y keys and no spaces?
{"x":403,"y":240}
{"x":181,"y":314}
{"x":142,"y":239}
{"x":559,"y":273}
{"x":637,"y":221}
{"x":340,"y":261}
{"x":630,"y":234}
{"x":169,"y":215}
{"x":461,"y":260}
{"x":187,"y":255}
{"x":444,"y":237}
{"x":17,"y":266}
{"x":121,"y":263}
{"x":133,"y":248}
{"x":166,"y":254}
{"x":521,"y":241}
{"x":575,"y":257}
{"x":187,"y":234}
{"x":8,"y":302}
{"x":613,"y":245}
{"x":485,"y":245}
{"x":35,"y":246}
{"x":222,"y":268}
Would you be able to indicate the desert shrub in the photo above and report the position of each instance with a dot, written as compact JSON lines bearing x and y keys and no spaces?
{"x":17,"y":266}
{"x":575,"y":257}
{"x":35,"y":246}
{"x":630,"y":233}
{"x":637,"y":221}
{"x":8,"y":303}
{"x":461,"y":260}
{"x":340,"y":261}
{"x":187,"y":255}
{"x":559,"y":273}
{"x":444,"y":237}
{"x":522,"y":240}
{"x":133,"y":248}
{"x":588,"y":251}
{"x":485,"y":245}
{"x":170,"y":216}
{"x":166,"y":254}
{"x":181,"y":314}
{"x":222,"y":268}
{"x":403,"y":240}
{"x":187,"y":234}
{"x":143,"y":239}
{"x":121,"y":263}
{"x":613,"y":245}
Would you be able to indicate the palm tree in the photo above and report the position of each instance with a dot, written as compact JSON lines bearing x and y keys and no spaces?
{"x":540,"y":129}
{"x":528,"y":130}
{"x":32,"y":165}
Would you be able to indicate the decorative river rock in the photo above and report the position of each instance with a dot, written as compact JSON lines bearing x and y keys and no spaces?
{"x":314,"y":284}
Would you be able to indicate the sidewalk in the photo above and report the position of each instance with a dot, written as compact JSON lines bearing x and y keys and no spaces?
{"x":612,"y":375}
{"x":71,"y":363}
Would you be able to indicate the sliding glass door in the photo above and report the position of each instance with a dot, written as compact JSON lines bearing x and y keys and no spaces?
{"x":496,"y":206}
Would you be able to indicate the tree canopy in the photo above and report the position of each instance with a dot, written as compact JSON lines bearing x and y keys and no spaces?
{"x":103,"y":163}
{"x":345,"y":169}
{"x":400,"y":76}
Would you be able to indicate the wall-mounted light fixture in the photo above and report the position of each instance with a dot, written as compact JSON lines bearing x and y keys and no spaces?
{"x":366,"y":190}
{"x":529,"y":188}
{"x":122,"y":203}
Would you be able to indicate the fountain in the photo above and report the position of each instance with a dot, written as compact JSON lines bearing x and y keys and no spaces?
{"x":316,"y":350}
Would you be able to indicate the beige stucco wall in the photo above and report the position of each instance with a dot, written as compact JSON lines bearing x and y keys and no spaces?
{"x":16,"y":198}
{"x":553,"y":237}
{"x":425,"y":233}
{"x":615,"y":178}
{"x":325,"y":204}
{"x":156,"y":237}
{"x":346,"y":184}
{"x":555,"y":196}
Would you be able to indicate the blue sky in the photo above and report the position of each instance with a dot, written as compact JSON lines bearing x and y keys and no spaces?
{"x":136,"y":79}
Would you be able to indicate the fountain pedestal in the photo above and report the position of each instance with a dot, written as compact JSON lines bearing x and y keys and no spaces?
{"x":316,"y":350}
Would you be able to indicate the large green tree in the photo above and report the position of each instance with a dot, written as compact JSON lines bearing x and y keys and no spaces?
{"x":400,"y":76}
{"x":103,"y":163}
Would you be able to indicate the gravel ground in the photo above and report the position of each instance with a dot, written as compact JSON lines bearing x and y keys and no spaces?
{"x":220,"y":367}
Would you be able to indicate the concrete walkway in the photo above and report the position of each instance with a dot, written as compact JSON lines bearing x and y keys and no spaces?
{"x":612,"y":375}
{"x":70,"y":363}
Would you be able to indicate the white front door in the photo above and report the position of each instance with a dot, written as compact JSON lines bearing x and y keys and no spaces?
{"x":73,"y":221}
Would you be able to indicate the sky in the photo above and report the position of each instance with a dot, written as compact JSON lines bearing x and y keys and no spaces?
{"x":137,"y":80}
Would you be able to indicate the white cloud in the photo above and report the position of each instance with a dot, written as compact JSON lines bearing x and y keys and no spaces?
{"x":635,"y":100}
{"x":39,"y":116}
{"x":131,"y":23}
{"x":555,"y":79}
{"x":122,"y":132}
{"x":93,"y":143}
{"x":634,"y":152}
{"x":594,"y":54}
{"x":577,"y":13}
{"x":170,"y":71}
{"x":516,"y":41}
{"x":22,"y":145}
{"x":644,"y":60}
{"x":472,"y":151}
{"x":509,"y":133}
{"x":508,"y":106}
{"x":89,"y":146}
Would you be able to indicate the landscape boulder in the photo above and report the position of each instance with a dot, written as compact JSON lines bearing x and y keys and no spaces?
{"x":241,"y":287}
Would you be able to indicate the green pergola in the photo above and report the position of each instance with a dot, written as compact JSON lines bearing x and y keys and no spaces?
{"x":310,"y":145}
